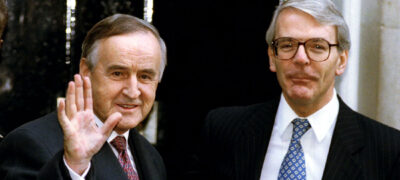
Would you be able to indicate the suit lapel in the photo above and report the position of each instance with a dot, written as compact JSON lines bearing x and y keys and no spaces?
{"x":106,"y":166}
{"x":347,"y":141}
{"x":143,"y":156}
{"x":253,"y":141}
{"x":134,"y":143}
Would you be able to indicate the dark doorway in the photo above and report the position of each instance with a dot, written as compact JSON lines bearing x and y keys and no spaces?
{"x":217,"y":56}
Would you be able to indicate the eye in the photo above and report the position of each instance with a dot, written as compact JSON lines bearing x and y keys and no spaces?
{"x":145,"y":77}
{"x":117,"y":74}
{"x":285,"y":45}
{"x":318,"y":46}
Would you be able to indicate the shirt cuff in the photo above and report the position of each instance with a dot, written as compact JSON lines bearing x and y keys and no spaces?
{"x":73,"y":174}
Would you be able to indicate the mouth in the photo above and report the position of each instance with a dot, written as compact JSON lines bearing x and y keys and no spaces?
{"x":301,"y":78}
{"x":127,"y":106}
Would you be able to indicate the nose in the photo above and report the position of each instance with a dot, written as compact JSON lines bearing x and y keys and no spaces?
{"x":131,"y":88}
{"x":301,"y":55}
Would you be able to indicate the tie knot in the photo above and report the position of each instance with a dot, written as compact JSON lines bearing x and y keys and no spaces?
{"x":300,"y":126}
{"x":119,"y":143}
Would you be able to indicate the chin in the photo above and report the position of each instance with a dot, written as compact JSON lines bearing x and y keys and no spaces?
{"x":128,"y":123}
{"x":300,"y":95}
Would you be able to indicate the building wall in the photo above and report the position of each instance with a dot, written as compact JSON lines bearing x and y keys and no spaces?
{"x":389,"y":76}
{"x":372,"y":84}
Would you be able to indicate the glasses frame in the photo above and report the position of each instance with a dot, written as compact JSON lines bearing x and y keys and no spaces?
{"x":275,"y":48}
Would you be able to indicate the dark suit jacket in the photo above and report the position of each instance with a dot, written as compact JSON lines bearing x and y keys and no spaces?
{"x":236,"y":141}
{"x":35,"y":150}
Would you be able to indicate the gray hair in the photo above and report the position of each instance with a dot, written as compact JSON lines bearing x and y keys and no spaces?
{"x":324,"y":11}
{"x":114,"y":25}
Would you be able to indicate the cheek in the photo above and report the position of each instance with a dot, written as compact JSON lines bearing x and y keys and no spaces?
{"x":330,"y":71}
{"x":148,"y":94}
{"x":327,"y":76}
{"x":106,"y":93}
{"x":280,"y":71}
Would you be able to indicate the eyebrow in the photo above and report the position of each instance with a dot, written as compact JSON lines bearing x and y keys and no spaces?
{"x":149,"y":71}
{"x":116,"y":66}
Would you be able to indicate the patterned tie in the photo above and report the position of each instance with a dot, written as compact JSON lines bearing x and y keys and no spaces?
{"x":293,"y":166}
{"x":119,"y":143}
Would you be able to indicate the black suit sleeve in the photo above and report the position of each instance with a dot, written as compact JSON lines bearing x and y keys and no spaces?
{"x":22,"y":156}
{"x":55,"y":169}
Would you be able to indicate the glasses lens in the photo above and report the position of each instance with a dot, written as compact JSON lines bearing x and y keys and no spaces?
{"x":286,"y":47}
{"x":317,"y":49}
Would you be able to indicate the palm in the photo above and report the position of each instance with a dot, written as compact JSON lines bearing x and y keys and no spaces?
{"x":81,"y":126}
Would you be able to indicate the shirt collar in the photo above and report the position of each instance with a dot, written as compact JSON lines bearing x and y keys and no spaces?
{"x":321,"y":121}
{"x":114,"y":134}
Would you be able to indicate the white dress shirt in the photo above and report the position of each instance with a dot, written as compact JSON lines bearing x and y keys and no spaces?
{"x":99,"y":123}
{"x":315,"y":142}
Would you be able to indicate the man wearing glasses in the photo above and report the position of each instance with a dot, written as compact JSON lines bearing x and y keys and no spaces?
{"x":309,"y":132}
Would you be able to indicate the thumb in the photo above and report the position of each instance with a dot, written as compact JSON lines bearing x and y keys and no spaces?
{"x":110,"y":123}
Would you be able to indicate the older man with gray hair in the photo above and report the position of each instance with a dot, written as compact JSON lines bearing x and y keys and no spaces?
{"x":308,"y":132}
{"x":93,"y":135}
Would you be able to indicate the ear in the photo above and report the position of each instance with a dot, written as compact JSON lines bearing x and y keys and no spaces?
{"x":84,"y":68}
{"x":342,"y":63}
{"x":271,"y":56}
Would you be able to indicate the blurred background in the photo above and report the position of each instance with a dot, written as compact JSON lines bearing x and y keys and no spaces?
{"x":217,"y":56}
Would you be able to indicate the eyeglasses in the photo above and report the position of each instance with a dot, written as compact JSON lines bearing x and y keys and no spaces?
{"x":317,"y":49}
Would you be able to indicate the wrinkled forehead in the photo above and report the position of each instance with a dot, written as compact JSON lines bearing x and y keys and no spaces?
{"x":140,"y":48}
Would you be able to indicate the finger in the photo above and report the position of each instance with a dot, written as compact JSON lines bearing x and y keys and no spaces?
{"x":62,"y":117}
{"x":110,"y":123}
{"x":79,"y":92}
{"x":87,"y":86}
{"x":70,"y":104}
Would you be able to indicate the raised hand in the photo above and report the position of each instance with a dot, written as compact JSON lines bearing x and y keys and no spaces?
{"x":82,"y":138}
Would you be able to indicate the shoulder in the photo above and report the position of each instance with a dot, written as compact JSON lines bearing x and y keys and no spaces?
{"x":48,"y":120}
{"x":44,"y":131}
{"x":381,"y":145}
{"x":379,"y":132}
{"x":375,"y":133}
{"x":26,"y":149}
{"x":241,"y":114}
{"x":227,"y":122}
{"x":235,"y":112}
{"x":370,"y":127}
{"x":41,"y":127}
